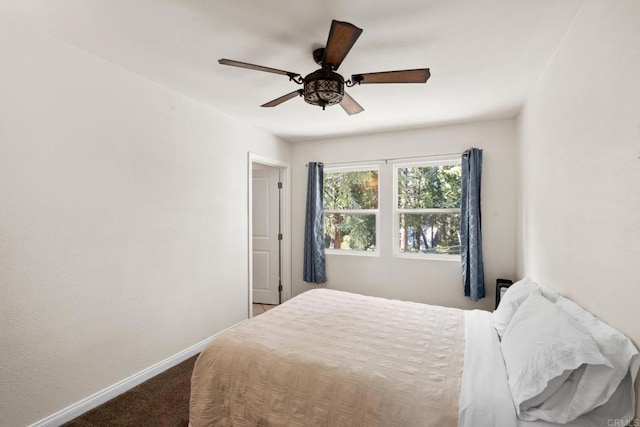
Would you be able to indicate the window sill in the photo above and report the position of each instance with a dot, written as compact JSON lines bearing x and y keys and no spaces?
{"x":431,"y":257}
{"x":351,"y":253}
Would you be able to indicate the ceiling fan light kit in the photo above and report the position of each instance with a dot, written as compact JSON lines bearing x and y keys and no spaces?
{"x":325,"y":87}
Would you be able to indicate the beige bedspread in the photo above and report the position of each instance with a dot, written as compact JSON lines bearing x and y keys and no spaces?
{"x":330,"y":358}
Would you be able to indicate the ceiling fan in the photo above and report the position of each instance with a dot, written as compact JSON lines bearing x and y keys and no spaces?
{"x":324,"y":87}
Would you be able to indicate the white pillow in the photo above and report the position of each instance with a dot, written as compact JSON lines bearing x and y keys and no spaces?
{"x":617,"y":408}
{"x":619,"y":351}
{"x":513,"y":297}
{"x":549,"y":293}
{"x":548,"y":355}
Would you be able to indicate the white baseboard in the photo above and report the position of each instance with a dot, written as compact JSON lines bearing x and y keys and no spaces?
{"x":97,"y":399}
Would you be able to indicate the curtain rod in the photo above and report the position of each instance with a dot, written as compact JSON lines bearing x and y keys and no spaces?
{"x":393,"y":159}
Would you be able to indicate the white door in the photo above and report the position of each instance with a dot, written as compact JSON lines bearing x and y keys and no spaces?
{"x":265,"y":223}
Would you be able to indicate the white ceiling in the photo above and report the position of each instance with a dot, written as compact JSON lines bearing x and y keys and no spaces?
{"x":484,"y":55}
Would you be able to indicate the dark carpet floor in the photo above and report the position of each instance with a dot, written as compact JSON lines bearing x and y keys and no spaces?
{"x":162,"y":401}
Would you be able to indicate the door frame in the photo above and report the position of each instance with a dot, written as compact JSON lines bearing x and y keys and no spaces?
{"x":285,"y":209}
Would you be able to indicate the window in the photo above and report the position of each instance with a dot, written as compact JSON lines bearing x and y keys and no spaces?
{"x":351,"y":210}
{"x":427,"y":209}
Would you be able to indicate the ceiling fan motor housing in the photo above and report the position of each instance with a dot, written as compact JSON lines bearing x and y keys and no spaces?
{"x":323,"y":87}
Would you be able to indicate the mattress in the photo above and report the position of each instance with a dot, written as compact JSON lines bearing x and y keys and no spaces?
{"x":335,"y":358}
{"x":330,"y":358}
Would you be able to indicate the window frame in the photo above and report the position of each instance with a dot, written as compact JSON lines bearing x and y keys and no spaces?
{"x":443,"y":161}
{"x":376,"y":212}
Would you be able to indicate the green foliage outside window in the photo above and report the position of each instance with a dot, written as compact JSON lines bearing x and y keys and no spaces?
{"x":354,"y":232}
{"x":349,"y":191}
{"x":430,"y":233}
{"x":431,"y":188}
{"x":428,"y":208}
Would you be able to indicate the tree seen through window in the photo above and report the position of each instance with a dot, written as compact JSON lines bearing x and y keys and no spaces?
{"x":428,"y":208}
{"x":350,"y":209}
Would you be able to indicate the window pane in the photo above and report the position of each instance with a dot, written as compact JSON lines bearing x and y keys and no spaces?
{"x":429,"y":187}
{"x":430,"y":233}
{"x":351,"y":190}
{"x":350,"y":232}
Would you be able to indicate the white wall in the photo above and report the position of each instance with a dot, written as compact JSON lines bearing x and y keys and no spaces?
{"x":123,"y":224}
{"x":429,"y":281}
{"x":579,"y":133}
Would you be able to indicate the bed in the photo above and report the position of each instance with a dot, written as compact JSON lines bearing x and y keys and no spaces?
{"x":331,"y":358}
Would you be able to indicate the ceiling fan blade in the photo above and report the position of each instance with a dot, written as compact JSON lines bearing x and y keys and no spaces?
{"x":283,"y":98}
{"x":342,"y":37}
{"x":420,"y":75}
{"x":248,"y":66}
{"x":350,"y":105}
